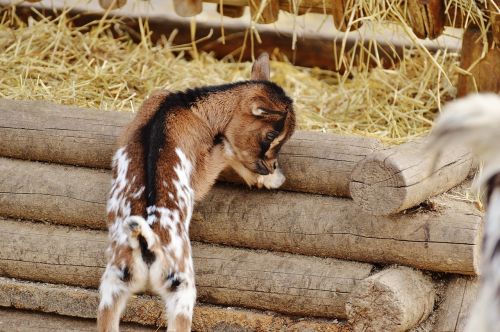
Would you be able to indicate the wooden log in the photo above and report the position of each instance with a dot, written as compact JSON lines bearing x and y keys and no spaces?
{"x":484,"y":73}
{"x":230,"y":11}
{"x":342,"y":11}
{"x":147,"y":310}
{"x":268,"y":14}
{"x":454,"y":311}
{"x":395,"y":179}
{"x":313,"y":162}
{"x":440,"y":238}
{"x":188,"y":8}
{"x":291,"y":284}
{"x":395,"y":299}
{"x":495,"y":25}
{"x":426,"y":17}
{"x":29,"y":321}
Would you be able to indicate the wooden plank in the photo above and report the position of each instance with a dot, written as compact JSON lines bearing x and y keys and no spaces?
{"x":34,"y":130}
{"x":485,"y":72}
{"x":291,"y":284}
{"x":230,"y":11}
{"x":397,"y":178}
{"x":147,"y":310}
{"x":29,"y":321}
{"x":444,"y":237}
{"x":395,"y":299}
{"x":454,"y":311}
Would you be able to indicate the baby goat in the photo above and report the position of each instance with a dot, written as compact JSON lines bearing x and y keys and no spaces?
{"x":169,"y":157}
{"x":474,"y":121}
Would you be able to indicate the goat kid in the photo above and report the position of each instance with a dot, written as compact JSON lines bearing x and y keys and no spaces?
{"x":169,"y":157}
{"x":474,"y":121}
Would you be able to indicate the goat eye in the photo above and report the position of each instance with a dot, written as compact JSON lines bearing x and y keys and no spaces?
{"x":271,"y":135}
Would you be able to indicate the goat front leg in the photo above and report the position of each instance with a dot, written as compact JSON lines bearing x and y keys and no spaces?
{"x":114,"y":294}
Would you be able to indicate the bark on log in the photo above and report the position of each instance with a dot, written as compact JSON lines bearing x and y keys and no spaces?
{"x":453,"y":312}
{"x":485,"y":72}
{"x":313,"y":162}
{"x":29,"y":321}
{"x":290,"y":284}
{"x":426,"y":18}
{"x":268,"y":14}
{"x":392,"y":180}
{"x":442,"y":238}
{"x":146,"y":310}
{"x":393,"y":300}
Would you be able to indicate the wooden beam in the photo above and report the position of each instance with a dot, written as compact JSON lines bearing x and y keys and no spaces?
{"x":444,"y":238}
{"x":147,"y":310}
{"x":290,"y":284}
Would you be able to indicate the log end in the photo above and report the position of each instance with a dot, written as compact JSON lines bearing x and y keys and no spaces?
{"x":112,"y":4}
{"x":377,"y":186}
{"x":188,"y":8}
{"x":396,"y":299}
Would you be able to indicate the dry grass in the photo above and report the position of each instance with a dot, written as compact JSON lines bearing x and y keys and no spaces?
{"x":86,"y":66}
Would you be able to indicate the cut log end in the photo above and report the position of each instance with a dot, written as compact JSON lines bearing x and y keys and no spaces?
{"x":112,"y":4}
{"x":396,"y":299}
{"x":188,"y":8}
{"x":378,"y":187}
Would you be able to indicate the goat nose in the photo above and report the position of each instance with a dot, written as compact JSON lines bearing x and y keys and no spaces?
{"x":275,"y":165}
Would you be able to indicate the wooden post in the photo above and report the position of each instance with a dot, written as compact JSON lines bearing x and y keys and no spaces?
{"x":147,"y":310}
{"x":188,"y":8}
{"x":268,"y":14}
{"x":426,"y":17}
{"x":231,"y":11}
{"x":395,"y":299}
{"x":485,"y":72}
{"x":394,"y":179}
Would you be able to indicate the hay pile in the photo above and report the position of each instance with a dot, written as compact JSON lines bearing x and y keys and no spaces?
{"x":85,"y":66}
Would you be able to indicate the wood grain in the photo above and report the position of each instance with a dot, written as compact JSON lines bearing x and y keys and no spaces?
{"x":443,"y":237}
{"x":147,"y":310}
{"x":291,"y":284}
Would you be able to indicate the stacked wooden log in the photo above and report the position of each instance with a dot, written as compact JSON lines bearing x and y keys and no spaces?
{"x":340,"y":249}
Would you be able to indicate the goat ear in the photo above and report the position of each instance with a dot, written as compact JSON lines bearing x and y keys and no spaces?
{"x":261,"y":68}
{"x":259,"y":112}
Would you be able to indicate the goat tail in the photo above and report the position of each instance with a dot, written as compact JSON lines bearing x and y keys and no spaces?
{"x":140,"y":232}
{"x":473,"y":122}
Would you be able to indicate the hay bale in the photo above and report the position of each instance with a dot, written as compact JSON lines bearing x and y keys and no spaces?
{"x":79,"y":302}
{"x":445,"y":237}
{"x":35,"y":130}
{"x":290,"y":284}
{"x":393,"y":300}
{"x":392,"y":180}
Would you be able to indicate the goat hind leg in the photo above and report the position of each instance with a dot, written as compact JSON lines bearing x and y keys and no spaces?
{"x":114,"y":295}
